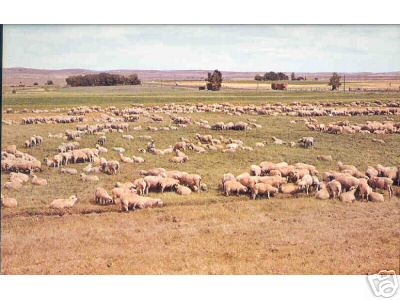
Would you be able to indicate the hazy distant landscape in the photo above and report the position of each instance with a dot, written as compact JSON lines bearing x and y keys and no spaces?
{"x":27,"y":76}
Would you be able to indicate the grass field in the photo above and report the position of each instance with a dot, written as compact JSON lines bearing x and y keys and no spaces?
{"x":166,"y":91}
{"x":203,"y":233}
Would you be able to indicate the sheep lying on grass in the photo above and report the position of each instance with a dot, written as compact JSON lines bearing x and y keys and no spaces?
{"x":70,"y":171}
{"x":183,"y":190}
{"x":64,"y":203}
{"x":38,"y":181}
{"x":130,"y":201}
{"x":8,"y":202}
{"x":92,"y":178}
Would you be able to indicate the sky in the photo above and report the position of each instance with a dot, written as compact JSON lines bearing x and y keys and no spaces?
{"x":285,"y":48}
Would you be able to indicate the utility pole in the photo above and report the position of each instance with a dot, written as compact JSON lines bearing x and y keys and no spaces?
{"x":344,"y":85}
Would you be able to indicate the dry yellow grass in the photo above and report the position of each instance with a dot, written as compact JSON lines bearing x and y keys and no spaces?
{"x":281,"y":236}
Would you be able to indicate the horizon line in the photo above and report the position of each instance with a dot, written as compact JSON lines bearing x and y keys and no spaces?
{"x":172,"y":70}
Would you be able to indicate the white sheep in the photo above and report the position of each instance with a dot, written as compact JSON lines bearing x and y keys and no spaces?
{"x":38,"y":181}
{"x":64,"y":203}
{"x":102,"y":197}
{"x":92,"y":178}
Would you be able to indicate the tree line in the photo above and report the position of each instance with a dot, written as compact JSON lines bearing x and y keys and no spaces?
{"x":103,"y":79}
{"x":271,"y":76}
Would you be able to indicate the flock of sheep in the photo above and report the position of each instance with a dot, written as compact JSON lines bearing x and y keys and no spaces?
{"x":266,"y":179}
{"x":386,"y":127}
{"x":131,"y":114}
{"x":347,"y":184}
{"x":131,"y":195}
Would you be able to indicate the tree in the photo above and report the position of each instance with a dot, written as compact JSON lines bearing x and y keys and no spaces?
{"x":292,"y":76}
{"x":35,"y":83}
{"x":102,"y":79}
{"x":272,"y":76}
{"x":334,"y":81}
{"x":214,"y":81}
{"x":49,"y":82}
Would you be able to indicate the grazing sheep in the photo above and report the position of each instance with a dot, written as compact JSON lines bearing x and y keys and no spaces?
{"x":178,"y":159}
{"x":334,"y":188}
{"x":277,"y":141}
{"x":255,"y":170}
{"x":38,"y":181}
{"x":118,"y":192}
{"x":306,"y":142}
{"x":348,"y":196}
{"x":147,"y":202}
{"x":191,"y":180}
{"x":102,"y":197}
{"x":275,"y":181}
{"x":227,"y":177}
{"x":260,"y":144}
{"x":22,"y":178}
{"x":109,"y":167}
{"x":289,"y":188}
{"x":342,"y":167}
{"x":262,"y":189}
{"x":305,"y":182}
{"x":88,"y":168}
{"x":371,"y":172}
{"x":364,"y":190}
{"x":153,"y":172}
{"x":383,"y":183}
{"x":119,"y":149}
{"x":312,"y":169}
{"x":128,"y":137}
{"x":376,"y":197}
{"x":275,"y":173}
{"x":92,"y":178}
{"x":152,"y":183}
{"x":297,"y":174}
{"x":347,"y":181}
{"x":64,"y":203}
{"x":8,"y":202}
{"x":134,"y":201}
{"x":140,"y":185}
{"x":102,"y":140}
{"x":125,"y":159}
{"x":235,"y":187}
{"x":183,"y":190}
{"x":13,"y":185}
{"x":180,"y":146}
{"x":138,"y":159}
{"x":324,"y":157}
{"x":168,"y":183}
{"x":101,"y":149}
{"x":11,"y":149}
{"x":316,"y":183}
{"x":70,"y":171}
{"x":323,"y":193}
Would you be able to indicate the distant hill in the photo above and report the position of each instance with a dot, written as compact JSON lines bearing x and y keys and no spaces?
{"x":27,"y":76}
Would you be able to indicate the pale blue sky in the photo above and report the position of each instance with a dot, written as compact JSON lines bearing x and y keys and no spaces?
{"x":354,"y":48}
